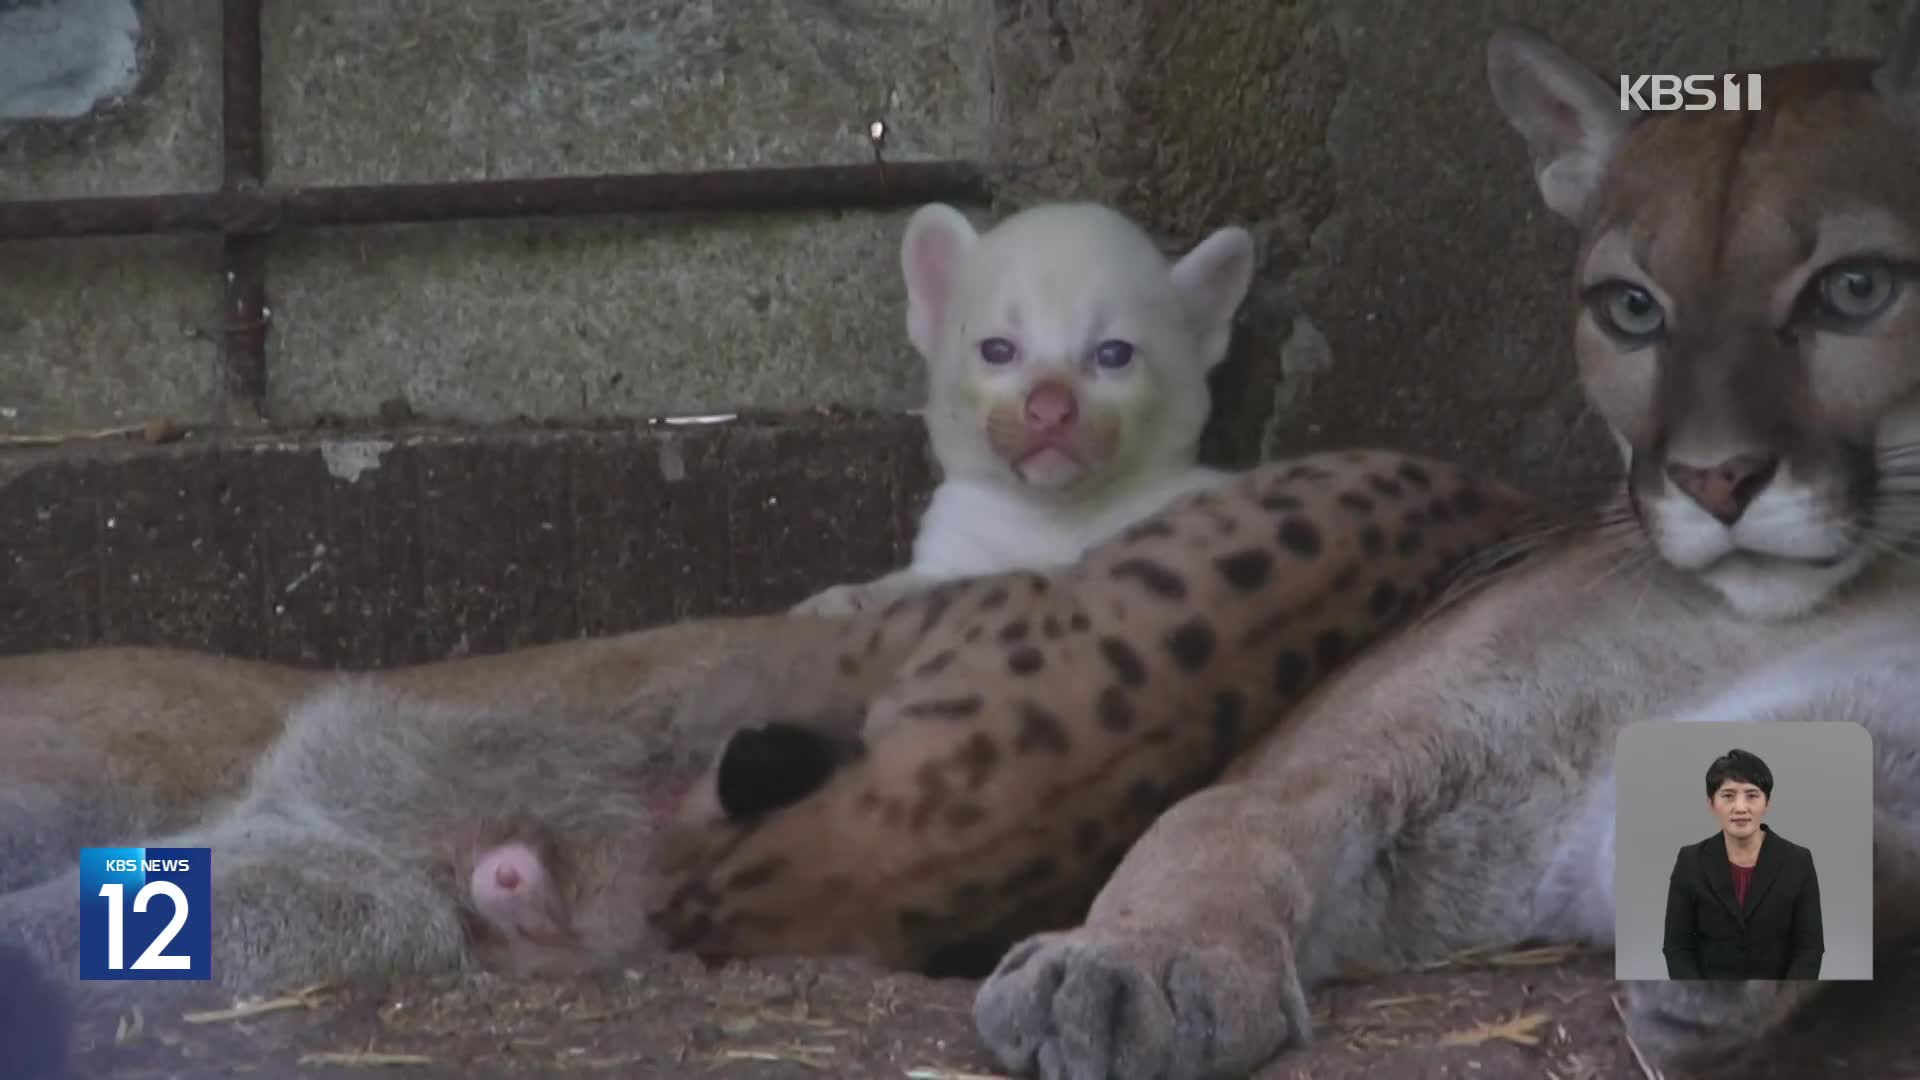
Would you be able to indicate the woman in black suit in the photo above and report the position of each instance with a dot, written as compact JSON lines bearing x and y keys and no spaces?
{"x":1745,"y":902}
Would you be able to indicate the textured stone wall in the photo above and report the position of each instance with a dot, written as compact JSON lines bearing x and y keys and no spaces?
{"x":1411,"y":292}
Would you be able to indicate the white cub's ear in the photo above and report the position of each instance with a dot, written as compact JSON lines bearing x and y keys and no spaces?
{"x":1572,"y":121}
{"x":1898,"y":78}
{"x":938,"y":237}
{"x":1212,"y":280}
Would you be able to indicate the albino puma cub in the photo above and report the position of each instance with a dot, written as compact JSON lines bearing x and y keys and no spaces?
{"x":1067,"y":368}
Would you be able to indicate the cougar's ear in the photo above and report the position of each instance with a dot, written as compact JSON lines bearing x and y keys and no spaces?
{"x":1571,"y":120}
{"x":1898,"y":77}
{"x":769,"y":768}
{"x":1212,"y":280}
{"x":938,"y":239}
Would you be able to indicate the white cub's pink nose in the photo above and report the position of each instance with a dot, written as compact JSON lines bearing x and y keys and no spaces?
{"x":1051,"y":405}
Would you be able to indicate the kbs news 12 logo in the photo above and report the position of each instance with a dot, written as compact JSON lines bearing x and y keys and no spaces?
{"x":1692,"y":93}
{"x":144,"y":913}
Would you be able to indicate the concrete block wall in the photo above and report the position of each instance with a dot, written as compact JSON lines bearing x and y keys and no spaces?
{"x":493,"y":321}
{"x":1412,"y":292}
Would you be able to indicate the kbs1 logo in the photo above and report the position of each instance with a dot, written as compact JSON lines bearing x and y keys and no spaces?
{"x":1692,"y":93}
{"x":145,"y":913}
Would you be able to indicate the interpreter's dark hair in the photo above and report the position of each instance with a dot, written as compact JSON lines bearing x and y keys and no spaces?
{"x":1742,"y":767}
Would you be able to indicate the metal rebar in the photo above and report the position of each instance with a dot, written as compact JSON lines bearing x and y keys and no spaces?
{"x":816,"y":187}
{"x":243,"y":341}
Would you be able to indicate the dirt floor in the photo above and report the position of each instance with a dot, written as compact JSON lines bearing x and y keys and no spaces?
{"x":1518,"y":1015}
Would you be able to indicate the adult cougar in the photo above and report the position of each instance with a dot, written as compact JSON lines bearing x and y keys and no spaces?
{"x":1746,"y":308}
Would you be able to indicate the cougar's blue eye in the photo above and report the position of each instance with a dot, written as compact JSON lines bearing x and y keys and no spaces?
{"x":1113,"y":354}
{"x":997,"y":350}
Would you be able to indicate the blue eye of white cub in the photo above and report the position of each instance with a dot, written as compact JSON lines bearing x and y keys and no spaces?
{"x":1113,"y":354}
{"x":997,"y":350}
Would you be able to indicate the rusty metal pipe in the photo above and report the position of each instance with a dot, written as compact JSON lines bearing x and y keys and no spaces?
{"x":241,"y":126}
{"x":817,"y":187}
{"x":243,"y":342}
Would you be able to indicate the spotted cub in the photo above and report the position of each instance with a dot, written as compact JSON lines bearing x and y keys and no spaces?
{"x":1034,"y":725}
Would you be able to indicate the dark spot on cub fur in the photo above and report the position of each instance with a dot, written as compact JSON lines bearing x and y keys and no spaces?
{"x":1372,"y":540}
{"x":1356,"y":501}
{"x":1383,"y":599}
{"x":1246,"y":570}
{"x":692,"y":930}
{"x":1079,"y":623}
{"x":1440,"y":510}
{"x":1115,"y":709}
{"x":953,"y":708}
{"x":932,"y":781}
{"x":752,"y":877}
{"x":1289,"y":673}
{"x":996,"y":597}
{"x":938,"y":601}
{"x":1126,"y":662}
{"x":1415,"y":475}
{"x":1025,"y":660}
{"x":1087,"y":837}
{"x":1227,"y":720}
{"x":1330,"y":647}
{"x":755,"y":922}
{"x":1144,"y":796}
{"x":849,"y":665}
{"x":935,"y":664}
{"x":1191,"y":644}
{"x":1386,"y":485}
{"x":1300,"y":536}
{"x":973,"y":633}
{"x":1280,"y":501}
{"x":1153,"y":576}
{"x":1148,"y":530}
{"x":976,"y":758}
{"x":1015,"y":631}
{"x":769,"y":768}
{"x":1409,"y":542}
{"x":964,"y":815}
{"x":1040,"y":729}
{"x":1030,"y":874}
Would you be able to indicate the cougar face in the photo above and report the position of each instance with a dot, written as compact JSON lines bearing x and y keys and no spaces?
{"x":1747,"y":312}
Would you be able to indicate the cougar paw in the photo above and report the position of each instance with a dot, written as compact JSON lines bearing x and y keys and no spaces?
{"x":1683,"y":1025}
{"x":1103,"y":1005}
